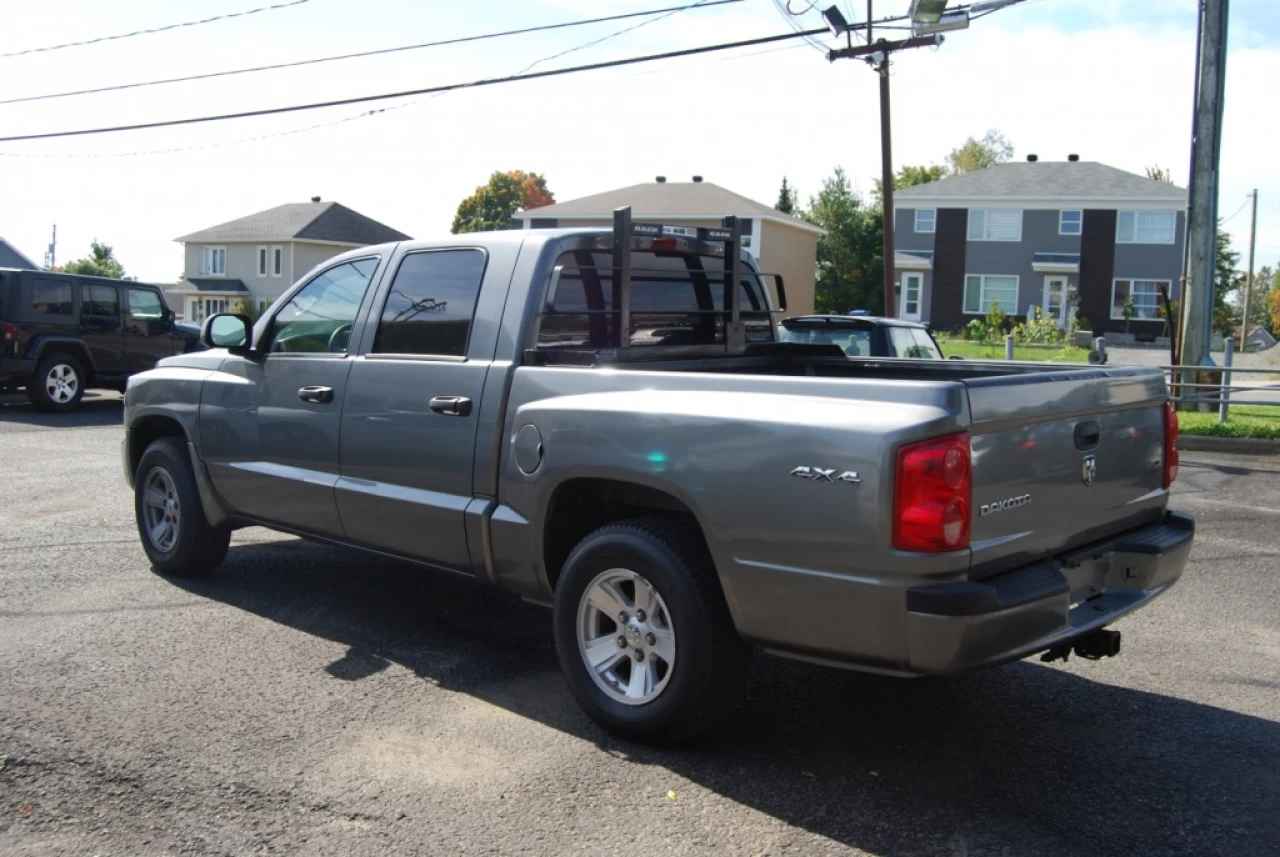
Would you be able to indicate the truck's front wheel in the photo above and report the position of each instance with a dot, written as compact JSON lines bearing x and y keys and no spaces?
{"x":171,"y":521}
{"x":644,"y":635}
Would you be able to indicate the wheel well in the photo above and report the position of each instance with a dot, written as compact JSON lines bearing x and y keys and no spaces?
{"x":146,"y":432}
{"x":75,"y":349}
{"x":581,"y":506}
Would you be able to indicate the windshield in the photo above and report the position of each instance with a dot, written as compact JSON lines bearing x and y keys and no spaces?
{"x":854,"y":341}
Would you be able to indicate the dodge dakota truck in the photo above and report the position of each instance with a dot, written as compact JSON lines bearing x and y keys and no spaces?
{"x":604,"y":422}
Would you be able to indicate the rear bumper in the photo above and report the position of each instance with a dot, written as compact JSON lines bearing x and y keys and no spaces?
{"x":957,"y":627}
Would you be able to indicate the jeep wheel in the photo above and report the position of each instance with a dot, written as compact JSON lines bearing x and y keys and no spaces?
{"x":171,"y":522}
{"x":643,"y":633}
{"x":58,"y":384}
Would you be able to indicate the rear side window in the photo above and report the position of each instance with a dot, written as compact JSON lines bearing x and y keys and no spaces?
{"x":911,"y":343}
{"x":854,"y":341}
{"x":100,"y":301}
{"x":430,"y":305}
{"x":51,"y":297}
{"x":674,"y":301}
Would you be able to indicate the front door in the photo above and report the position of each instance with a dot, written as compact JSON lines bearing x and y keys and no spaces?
{"x":271,"y":439}
{"x":148,"y":331}
{"x":409,"y":422}
{"x":1055,"y":298}
{"x":909,"y":303}
{"x":100,"y":327}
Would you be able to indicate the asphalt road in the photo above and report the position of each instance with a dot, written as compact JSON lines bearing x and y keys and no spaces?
{"x":310,"y":701}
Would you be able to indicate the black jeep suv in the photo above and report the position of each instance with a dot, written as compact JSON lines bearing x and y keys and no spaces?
{"x":62,"y":333}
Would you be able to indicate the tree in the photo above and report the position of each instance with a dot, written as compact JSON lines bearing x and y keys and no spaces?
{"x":850,"y":255}
{"x":101,"y":262}
{"x":909,"y":176}
{"x":787,"y":202}
{"x":1226,"y":281}
{"x":1265,"y":281}
{"x":1273,"y":307}
{"x":493,"y":204}
{"x":247,"y":307}
{"x":1159,"y":173}
{"x":973,"y":155}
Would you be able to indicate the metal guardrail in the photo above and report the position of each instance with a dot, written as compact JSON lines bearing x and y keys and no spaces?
{"x":1212,"y":385}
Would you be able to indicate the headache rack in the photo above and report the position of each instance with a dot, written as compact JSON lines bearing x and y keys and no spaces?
{"x":631,"y":236}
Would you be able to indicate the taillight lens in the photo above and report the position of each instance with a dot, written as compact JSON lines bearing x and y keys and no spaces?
{"x":1170,"y":444}
{"x":9,"y":331}
{"x":932,"y":502}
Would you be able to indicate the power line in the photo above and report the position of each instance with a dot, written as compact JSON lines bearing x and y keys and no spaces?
{"x":670,"y":10}
{"x":155,"y":29}
{"x":294,"y":108}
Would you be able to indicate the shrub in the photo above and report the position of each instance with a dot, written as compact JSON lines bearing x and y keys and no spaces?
{"x":996,"y":319}
{"x":976,"y":331}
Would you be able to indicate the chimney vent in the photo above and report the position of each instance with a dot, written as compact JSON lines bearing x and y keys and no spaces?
{"x":661,"y":179}
{"x":1073,"y":158}
{"x":315,"y":199}
{"x":697,"y":178}
{"x":1031,"y":159}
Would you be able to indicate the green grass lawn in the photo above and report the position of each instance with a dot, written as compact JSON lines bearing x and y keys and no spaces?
{"x":1242,"y":421}
{"x":971,"y":350}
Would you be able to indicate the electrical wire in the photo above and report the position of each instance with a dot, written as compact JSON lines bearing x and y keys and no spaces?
{"x":670,"y":10}
{"x":294,"y":108}
{"x":790,"y":18}
{"x":151,"y":30}
{"x":1247,"y":197}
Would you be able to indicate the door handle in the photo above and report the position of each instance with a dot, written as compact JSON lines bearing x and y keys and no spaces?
{"x":451,"y":406}
{"x":319,"y":395}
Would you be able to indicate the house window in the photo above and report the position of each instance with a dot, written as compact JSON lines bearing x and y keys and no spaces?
{"x":995,"y":224}
{"x":195,"y":313}
{"x":981,"y":289}
{"x":213,"y":261}
{"x":926,"y":219}
{"x":1145,"y":295}
{"x":1070,"y":221}
{"x":277,"y":261}
{"x":262,"y":261}
{"x":1146,"y":227}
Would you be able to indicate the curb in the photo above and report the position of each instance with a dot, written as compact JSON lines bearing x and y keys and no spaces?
{"x":1239,"y":445}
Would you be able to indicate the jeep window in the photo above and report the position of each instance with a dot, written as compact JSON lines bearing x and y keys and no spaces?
{"x":672,"y":296}
{"x":145,"y":305}
{"x":100,"y":301}
{"x":912,"y":343}
{"x":51,"y":297}
{"x":318,"y":319}
{"x":430,"y":305}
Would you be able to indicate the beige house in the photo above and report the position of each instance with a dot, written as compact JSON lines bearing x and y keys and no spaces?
{"x":781,"y":244}
{"x":257,"y":257}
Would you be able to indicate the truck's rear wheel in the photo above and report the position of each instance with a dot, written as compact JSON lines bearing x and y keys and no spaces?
{"x":58,"y":383}
{"x":171,"y":522}
{"x":644,"y":635}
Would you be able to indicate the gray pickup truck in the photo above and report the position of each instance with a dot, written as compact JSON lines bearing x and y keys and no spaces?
{"x":595,"y":421}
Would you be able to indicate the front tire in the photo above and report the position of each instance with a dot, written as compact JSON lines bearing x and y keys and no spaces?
{"x":644,"y":635}
{"x":175,"y":534}
{"x":58,"y":384}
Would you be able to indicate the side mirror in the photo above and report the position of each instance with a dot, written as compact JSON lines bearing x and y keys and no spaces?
{"x":955,"y":357}
{"x":227,"y":330}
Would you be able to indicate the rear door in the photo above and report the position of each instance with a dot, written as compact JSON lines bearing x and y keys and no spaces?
{"x":148,"y":333}
{"x":100,"y":326}
{"x":412,"y":409}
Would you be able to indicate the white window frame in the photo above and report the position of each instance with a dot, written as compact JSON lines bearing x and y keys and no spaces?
{"x":263,"y":260}
{"x":986,"y":222}
{"x":1132,"y":238}
{"x":983,"y":304}
{"x":1119,"y":315}
{"x":277,"y":261}
{"x":211,"y":255}
{"x":933,"y":221}
{"x":1079,"y":223}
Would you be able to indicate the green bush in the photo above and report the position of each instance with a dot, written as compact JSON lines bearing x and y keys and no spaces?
{"x":975,"y":331}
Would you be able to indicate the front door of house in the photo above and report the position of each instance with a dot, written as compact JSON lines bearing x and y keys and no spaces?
{"x":1055,"y":298}
{"x":909,"y":305}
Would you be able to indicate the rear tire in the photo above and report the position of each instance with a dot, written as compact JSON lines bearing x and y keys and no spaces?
{"x":677,"y":632}
{"x":58,"y":384}
{"x":175,"y":534}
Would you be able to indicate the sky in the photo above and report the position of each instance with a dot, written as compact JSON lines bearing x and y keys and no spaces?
{"x":1110,"y":80}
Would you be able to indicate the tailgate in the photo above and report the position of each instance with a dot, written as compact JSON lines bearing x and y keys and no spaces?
{"x":1062,"y":458}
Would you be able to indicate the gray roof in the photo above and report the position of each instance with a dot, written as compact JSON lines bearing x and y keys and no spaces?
{"x":301,"y":221}
{"x":213,"y":284}
{"x":666,"y":199}
{"x":1050,"y":179}
{"x":12,"y":257}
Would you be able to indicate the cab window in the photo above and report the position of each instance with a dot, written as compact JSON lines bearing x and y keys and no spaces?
{"x":319,"y":318}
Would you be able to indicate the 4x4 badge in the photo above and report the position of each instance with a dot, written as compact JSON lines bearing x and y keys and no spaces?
{"x":1089,"y":469}
{"x":821,"y":474}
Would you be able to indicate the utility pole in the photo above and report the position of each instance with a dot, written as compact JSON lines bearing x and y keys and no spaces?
{"x":51,"y":257}
{"x":1202,"y":226}
{"x":1248,"y":277}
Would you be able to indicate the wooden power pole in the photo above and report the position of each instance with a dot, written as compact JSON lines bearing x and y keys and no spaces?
{"x":1248,"y":277}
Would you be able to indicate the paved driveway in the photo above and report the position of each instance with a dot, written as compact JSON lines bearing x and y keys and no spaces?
{"x":310,"y":701}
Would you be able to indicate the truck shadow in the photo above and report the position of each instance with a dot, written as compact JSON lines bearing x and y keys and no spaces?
{"x":96,"y":409}
{"x":1025,"y":758}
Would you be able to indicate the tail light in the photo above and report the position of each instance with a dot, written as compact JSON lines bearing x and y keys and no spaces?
{"x":1170,"y":444}
{"x":9,"y":331}
{"x":932,"y":500}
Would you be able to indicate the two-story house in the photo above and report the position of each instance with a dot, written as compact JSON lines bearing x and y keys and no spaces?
{"x":1063,"y":236}
{"x":256,"y":258}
